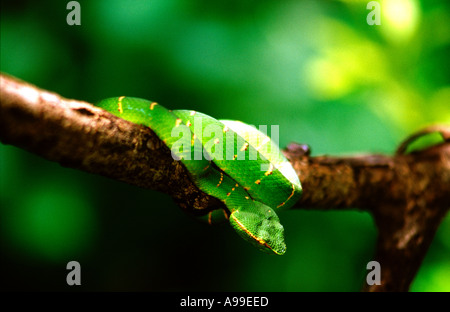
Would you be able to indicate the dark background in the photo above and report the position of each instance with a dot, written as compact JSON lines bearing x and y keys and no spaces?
{"x":315,"y":68}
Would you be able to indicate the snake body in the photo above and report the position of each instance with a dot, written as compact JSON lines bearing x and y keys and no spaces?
{"x":226,"y":159}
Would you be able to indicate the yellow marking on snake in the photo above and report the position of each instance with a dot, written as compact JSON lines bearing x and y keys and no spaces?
{"x":232,"y":189}
{"x":225,"y":129}
{"x":246,"y":197}
{"x":221,"y":179}
{"x":259,"y":240}
{"x":225,"y":214}
{"x":210,"y":217}
{"x":192,"y":113}
{"x":152,"y":106}
{"x":234,"y":157}
{"x":270,"y":171}
{"x":188,"y":123}
{"x":293,"y":191}
{"x":178,"y":122}
{"x":216,"y":141}
{"x":244,"y":147}
{"x":119,"y":104}
{"x":258,"y":182}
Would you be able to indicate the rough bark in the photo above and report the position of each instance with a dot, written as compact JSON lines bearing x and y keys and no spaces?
{"x":407,"y":194}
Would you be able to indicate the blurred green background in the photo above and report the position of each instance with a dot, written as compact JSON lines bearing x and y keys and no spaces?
{"x":316,"y":68}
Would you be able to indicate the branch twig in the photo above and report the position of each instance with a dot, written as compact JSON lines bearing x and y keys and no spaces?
{"x":408,"y":195}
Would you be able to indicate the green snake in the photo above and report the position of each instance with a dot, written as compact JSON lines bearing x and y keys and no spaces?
{"x":229,"y":160}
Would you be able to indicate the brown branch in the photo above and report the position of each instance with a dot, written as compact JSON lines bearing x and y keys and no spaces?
{"x":79,"y":135}
{"x":408,"y":195}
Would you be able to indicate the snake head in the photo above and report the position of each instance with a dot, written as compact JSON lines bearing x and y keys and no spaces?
{"x":259,"y":225}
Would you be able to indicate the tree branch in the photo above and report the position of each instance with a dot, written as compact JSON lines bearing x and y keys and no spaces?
{"x":79,"y":135}
{"x":408,"y":195}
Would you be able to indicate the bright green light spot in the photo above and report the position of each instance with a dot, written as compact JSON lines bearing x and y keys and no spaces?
{"x":328,"y":80}
{"x":432,"y":278}
{"x":399,"y":19}
{"x":437,"y":106}
{"x":344,"y":63}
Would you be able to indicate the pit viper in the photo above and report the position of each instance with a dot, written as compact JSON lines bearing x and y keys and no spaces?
{"x":229,"y":160}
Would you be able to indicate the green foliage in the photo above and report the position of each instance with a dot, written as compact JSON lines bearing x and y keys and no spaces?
{"x":316,"y":68}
